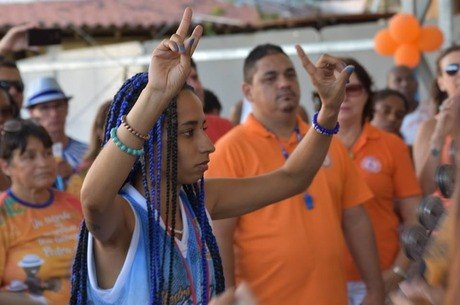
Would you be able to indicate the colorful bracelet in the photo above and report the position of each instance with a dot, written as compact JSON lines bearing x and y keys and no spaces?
{"x":122,"y":146}
{"x":132,"y":130}
{"x":324,"y":131}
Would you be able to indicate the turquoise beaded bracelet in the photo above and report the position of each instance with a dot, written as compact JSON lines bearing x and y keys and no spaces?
{"x":122,"y":146}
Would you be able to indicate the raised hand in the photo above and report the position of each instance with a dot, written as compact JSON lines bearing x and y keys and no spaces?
{"x":331,"y":89}
{"x":15,"y":39}
{"x":446,"y":117}
{"x":170,"y":63}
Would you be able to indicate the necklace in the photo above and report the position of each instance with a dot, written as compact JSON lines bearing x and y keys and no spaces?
{"x":30,"y":204}
{"x":306,"y":197}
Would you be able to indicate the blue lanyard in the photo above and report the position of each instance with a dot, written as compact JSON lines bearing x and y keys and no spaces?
{"x":306,"y":197}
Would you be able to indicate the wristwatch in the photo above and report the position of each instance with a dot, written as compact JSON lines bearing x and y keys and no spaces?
{"x":399,"y":272}
{"x":435,"y":152}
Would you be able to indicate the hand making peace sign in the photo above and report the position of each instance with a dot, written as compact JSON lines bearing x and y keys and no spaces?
{"x":170,"y":63}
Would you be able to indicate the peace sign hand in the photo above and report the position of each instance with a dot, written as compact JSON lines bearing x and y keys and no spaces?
{"x":331,"y":89}
{"x":170,"y":63}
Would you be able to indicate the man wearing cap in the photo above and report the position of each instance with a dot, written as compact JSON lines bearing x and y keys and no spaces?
{"x":47,"y":103}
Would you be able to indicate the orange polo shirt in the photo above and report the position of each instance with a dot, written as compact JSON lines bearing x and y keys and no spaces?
{"x":384,"y":162}
{"x":290,"y":254}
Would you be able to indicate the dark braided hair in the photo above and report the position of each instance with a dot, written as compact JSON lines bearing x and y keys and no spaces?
{"x":121,"y":105}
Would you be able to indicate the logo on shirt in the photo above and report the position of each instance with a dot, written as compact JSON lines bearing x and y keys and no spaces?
{"x":371,"y":164}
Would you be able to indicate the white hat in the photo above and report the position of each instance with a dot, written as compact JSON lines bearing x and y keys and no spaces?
{"x":43,"y":90}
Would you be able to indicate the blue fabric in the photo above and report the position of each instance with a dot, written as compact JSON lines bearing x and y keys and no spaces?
{"x":74,"y":152}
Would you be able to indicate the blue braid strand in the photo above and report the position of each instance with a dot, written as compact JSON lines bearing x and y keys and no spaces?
{"x":204,"y":262}
{"x":157,"y":201}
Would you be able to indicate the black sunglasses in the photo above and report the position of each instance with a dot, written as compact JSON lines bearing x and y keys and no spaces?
{"x":17,"y":84}
{"x":452,"y":69}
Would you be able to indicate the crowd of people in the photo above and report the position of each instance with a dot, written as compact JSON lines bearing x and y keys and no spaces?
{"x":171,"y":203}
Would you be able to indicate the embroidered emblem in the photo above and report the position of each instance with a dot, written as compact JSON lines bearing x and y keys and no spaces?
{"x":371,"y":164}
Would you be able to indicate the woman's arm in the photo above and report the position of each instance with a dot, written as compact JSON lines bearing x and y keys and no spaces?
{"x":15,"y":40}
{"x":430,"y":142}
{"x":427,"y":156}
{"x":234,"y":197}
{"x":168,"y":70}
{"x":359,"y":235}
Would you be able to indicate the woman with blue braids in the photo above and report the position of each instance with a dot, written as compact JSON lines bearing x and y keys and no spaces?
{"x":147,"y":237}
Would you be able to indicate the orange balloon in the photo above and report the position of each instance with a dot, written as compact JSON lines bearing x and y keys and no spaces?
{"x":431,"y":38}
{"x":384,"y":44}
{"x":404,"y":28}
{"x":407,"y":55}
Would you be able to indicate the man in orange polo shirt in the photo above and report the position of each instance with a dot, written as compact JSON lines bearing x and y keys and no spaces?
{"x":292,"y":252}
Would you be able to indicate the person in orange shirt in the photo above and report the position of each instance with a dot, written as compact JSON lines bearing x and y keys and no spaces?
{"x":291,"y":252}
{"x":384,"y":161}
{"x":38,"y":225}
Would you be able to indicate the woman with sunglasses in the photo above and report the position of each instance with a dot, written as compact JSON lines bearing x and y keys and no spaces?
{"x":433,"y":144}
{"x":384,"y":161}
{"x":38,"y":225}
{"x":440,"y":283}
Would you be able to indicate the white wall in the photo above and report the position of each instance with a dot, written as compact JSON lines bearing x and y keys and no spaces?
{"x":93,"y":75}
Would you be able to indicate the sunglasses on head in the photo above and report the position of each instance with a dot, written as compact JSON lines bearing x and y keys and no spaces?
{"x":354,"y":89}
{"x":7,"y":84}
{"x":452,"y":69}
